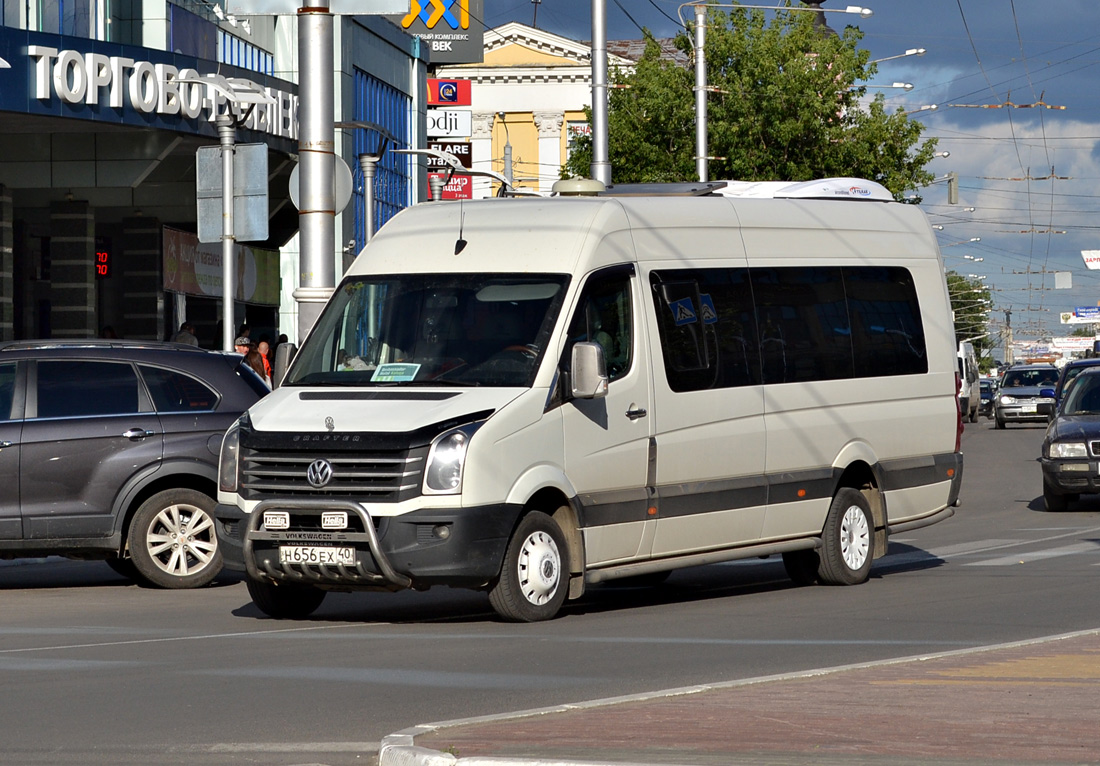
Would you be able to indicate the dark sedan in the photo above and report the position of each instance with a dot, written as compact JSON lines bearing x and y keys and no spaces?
{"x":1071,"y":448}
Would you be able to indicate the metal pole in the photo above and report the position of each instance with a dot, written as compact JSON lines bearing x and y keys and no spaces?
{"x":701,"y":164}
{"x":601,"y":165}
{"x":316,"y":152}
{"x":227,"y":134}
{"x":368,"y":163}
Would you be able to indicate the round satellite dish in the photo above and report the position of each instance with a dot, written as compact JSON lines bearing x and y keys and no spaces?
{"x":577,"y":187}
{"x":341,"y":184}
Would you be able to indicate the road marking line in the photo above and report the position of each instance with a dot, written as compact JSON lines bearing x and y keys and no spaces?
{"x":1029,"y":556}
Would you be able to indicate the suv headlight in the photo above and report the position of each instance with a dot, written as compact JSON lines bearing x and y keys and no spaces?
{"x":446,"y":459}
{"x":1068,"y":449}
{"x":229,"y":459}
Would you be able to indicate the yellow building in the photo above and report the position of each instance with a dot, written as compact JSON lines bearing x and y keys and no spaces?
{"x":530,"y":91}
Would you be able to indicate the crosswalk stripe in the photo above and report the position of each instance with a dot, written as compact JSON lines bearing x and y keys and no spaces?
{"x":1027,"y":557}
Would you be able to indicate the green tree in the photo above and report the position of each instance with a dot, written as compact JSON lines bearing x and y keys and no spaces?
{"x":971,"y":304}
{"x":786,"y":108}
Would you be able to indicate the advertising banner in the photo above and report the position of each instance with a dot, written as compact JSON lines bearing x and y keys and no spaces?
{"x":450,"y":123}
{"x":452,"y":30}
{"x":1092,"y":258}
{"x":459,"y":187}
{"x":195,"y":268}
{"x":448,"y":92}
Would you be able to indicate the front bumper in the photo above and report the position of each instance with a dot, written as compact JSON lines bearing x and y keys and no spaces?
{"x":391,"y":552}
{"x":1018,"y":413}
{"x":1070,"y":476}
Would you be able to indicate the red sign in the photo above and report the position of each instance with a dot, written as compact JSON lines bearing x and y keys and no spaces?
{"x":460,"y":187}
{"x":448,"y":92}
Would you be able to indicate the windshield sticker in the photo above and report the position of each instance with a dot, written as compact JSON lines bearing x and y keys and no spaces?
{"x":683,"y":312}
{"x":395,"y":373}
{"x":707,"y":310}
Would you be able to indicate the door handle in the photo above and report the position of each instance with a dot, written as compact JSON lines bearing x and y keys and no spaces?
{"x":136,"y":434}
{"x":6,"y":444}
{"x":635,"y":413}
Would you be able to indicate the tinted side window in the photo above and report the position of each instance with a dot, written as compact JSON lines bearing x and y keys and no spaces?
{"x":7,"y":389}
{"x":605,"y":316}
{"x":887,"y":334}
{"x":802,"y":316}
{"x":708,"y":328}
{"x":74,"y":388}
{"x":175,"y":392}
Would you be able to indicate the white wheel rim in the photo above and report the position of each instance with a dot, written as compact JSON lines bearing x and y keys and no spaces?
{"x":181,"y":540}
{"x":855,"y":537}
{"x":539,"y":568}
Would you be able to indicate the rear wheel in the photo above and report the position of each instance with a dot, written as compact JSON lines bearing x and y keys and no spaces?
{"x":848,"y":540}
{"x":287,"y":601}
{"x":1052,"y":500}
{"x":172,"y":540}
{"x":534,"y":579}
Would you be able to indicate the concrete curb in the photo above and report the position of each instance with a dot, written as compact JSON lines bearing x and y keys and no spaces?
{"x":400,"y":749}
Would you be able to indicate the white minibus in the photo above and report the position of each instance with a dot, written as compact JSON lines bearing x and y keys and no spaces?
{"x":532,"y":396}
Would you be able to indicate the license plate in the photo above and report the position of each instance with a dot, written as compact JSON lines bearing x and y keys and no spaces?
{"x":1027,"y":407}
{"x":315,"y":554}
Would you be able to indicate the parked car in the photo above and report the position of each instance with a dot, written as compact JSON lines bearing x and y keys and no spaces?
{"x":1071,"y":447}
{"x":1070,"y":371}
{"x":988,"y":388}
{"x":1018,"y":393}
{"x":109,"y":450}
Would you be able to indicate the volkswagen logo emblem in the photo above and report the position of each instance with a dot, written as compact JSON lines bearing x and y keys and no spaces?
{"x":319,"y":473}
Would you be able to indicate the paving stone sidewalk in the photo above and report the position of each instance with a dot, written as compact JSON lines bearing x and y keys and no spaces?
{"x":1024,"y":703}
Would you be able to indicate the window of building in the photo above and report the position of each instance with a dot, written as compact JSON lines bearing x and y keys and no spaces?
{"x":383,"y":105}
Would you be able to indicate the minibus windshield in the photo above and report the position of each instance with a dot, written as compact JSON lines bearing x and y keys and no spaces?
{"x":432,"y":330}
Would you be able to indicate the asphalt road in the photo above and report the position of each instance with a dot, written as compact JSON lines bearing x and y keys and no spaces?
{"x":95,"y":670}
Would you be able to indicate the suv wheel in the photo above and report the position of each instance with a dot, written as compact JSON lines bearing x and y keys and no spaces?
{"x":172,"y":540}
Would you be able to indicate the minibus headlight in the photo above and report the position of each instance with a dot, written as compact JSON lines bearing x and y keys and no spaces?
{"x":446,"y":459}
{"x":1068,"y":449}
{"x":229,"y":459}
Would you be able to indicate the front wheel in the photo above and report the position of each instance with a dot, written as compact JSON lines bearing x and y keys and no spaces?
{"x":172,"y":540}
{"x":288,"y":601}
{"x":534,"y":579}
{"x":999,"y":423}
{"x":848,"y":540}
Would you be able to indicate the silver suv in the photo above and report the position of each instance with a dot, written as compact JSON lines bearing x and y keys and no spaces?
{"x":109,"y":450}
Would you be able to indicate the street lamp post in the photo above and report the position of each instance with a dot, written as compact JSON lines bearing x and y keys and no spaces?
{"x":702,"y":159}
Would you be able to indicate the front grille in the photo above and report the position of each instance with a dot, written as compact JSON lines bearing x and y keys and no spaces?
{"x":378,"y":476}
{"x":1094,"y":448}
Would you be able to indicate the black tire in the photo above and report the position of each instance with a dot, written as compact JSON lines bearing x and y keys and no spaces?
{"x":974,"y":416}
{"x":124,"y":567}
{"x":802,"y":566}
{"x":848,"y":540}
{"x":534,"y":579}
{"x":1000,"y":424}
{"x":172,"y":540}
{"x":287,"y":601}
{"x":1054,"y":501}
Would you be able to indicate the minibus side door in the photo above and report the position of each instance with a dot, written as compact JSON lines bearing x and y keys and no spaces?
{"x":607,"y":440}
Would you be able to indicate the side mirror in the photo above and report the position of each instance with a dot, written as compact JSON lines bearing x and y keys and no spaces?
{"x":284,"y":355}
{"x":588,"y":377}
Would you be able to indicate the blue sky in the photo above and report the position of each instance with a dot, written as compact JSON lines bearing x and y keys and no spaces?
{"x":980,"y":53}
